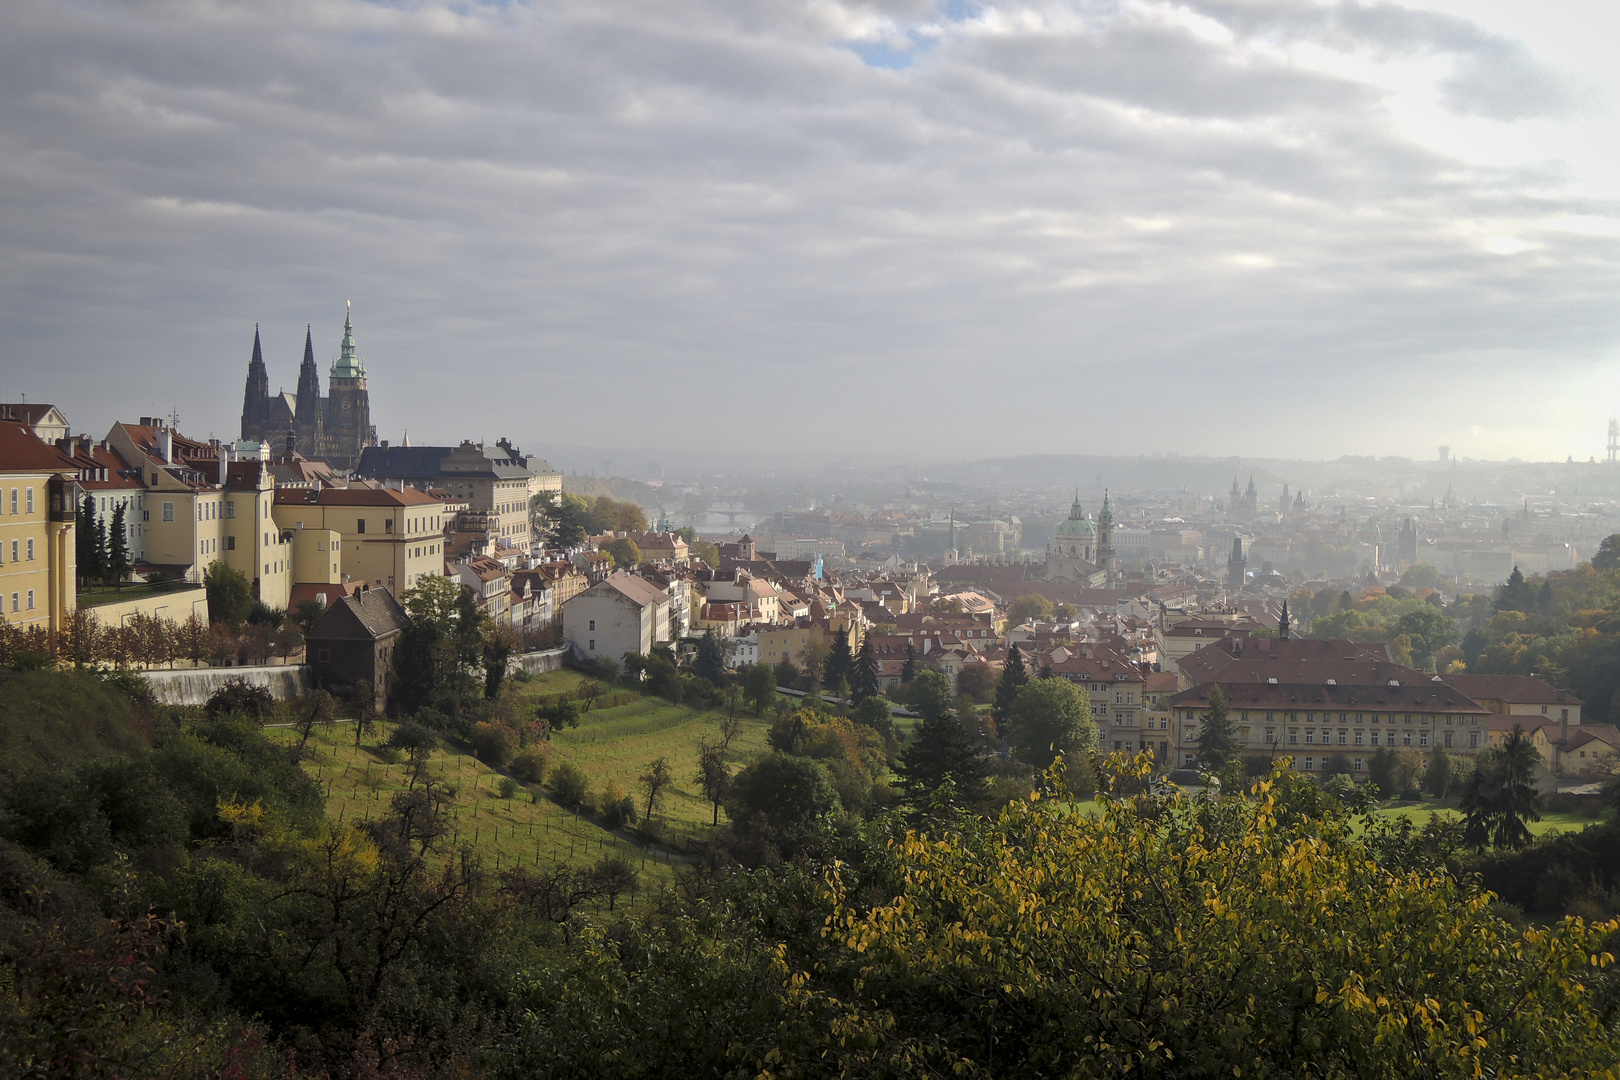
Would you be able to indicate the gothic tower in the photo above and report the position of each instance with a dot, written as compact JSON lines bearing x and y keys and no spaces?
{"x":310,"y":429}
{"x":256,"y":398}
{"x":348,"y":406}
{"x":1235,"y":566}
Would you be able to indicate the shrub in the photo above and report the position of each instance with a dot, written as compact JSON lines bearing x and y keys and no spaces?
{"x":530,"y":766}
{"x":238,"y":698}
{"x":618,"y":808}
{"x":493,"y":743}
{"x":508,"y":787}
{"x":570,"y":787}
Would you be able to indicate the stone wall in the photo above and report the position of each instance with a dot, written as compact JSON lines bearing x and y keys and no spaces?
{"x":194,"y":686}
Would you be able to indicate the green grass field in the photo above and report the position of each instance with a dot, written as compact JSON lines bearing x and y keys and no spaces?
{"x":1550,"y":822}
{"x":617,"y":742}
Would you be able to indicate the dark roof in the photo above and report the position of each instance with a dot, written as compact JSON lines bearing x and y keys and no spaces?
{"x":427,"y":463}
{"x":1513,"y":689}
{"x":373,"y":614}
{"x":1365,"y":686}
{"x":1238,"y":656}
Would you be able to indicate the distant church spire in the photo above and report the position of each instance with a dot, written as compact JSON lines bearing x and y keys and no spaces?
{"x":348,"y":366}
{"x":256,"y":395}
{"x":309,"y":398}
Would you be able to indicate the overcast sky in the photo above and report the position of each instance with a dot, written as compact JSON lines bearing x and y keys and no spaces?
{"x":949,"y":229}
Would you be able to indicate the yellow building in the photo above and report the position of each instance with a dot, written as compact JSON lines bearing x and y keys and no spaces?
{"x":387,"y":537}
{"x":38,"y":501}
{"x":200,"y":508}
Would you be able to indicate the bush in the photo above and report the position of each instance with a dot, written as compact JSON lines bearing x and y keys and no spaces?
{"x":530,"y":766}
{"x":493,"y":744}
{"x":508,"y":787}
{"x":618,"y":808}
{"x":570,"y":787}
{"x":238,"y":698}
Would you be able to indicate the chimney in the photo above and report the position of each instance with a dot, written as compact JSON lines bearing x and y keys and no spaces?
{"x":223,"y":471}
{"x":165,"y":445}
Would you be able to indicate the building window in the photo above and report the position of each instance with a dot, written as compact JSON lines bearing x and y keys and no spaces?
{"x":1473,"y":740}
{"x":593,"y":645}
{"x":1310,"y":736}
{"x":13,"y":500}
{"x":14,"y":550}
{"x":388,"y":525}
{"x":1358,"y":764}
{"x":230,"y":510}
{"x":1310,"y":763}
{"x":323,"y":655}
{"x":1448,"y":739}
{"x":30,"y":556}
{"x":1406,"y":737}
{"x":593,"y":624}
{"x":1358,"y":738}
{"x":230,"y":543}
{"x":30,"y":508}
{"x":1341,"y":738}
{"x":1293,"y":736}
{"x":168,"y":511}
{"x":13,"y":601}
{"x":30,"y":599}
{"x":1423,"y":738}
{"x":360,"y":525}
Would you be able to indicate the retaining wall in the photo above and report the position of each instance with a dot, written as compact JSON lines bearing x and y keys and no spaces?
{"x":194,"y":686}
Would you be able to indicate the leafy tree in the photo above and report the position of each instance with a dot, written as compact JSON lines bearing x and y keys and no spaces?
{"x":840,"y":663}
{"x":655,"y":784}
{"x":624,"y":553}
{"x":499,"y":643}
{"x":1394,"y":772}
{"x":976,"y":681}
{"x":230,"y":594}
{"x":1501,"y":796}
{"x":569,"y":786}
{"x":238,"y":697}
{"x":864,"y":679}
{"x":759,"y":686}
{"x":118,"y":565}
{"x":713,"y":777}
{"x":812,"y":660}
{"x":1437,"y":775}
{"x":943,"y":749}
{"x":1218,"y":744}
{"x":1429,"y":631}
{"x":306,"y":613}
{"x":710,"y":662}
{"x":1050,"y":717}
{"x":1028,"y":608}
{"x":1337,"y":765}
{"x":1012,"y":679}
{"x":786,"y":791}
{"x":929,"y":694}
{"x":706,"y":551}
{"x":875,"y":713}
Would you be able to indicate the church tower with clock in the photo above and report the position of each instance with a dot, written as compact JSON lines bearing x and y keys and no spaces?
{"x":335,"y":427}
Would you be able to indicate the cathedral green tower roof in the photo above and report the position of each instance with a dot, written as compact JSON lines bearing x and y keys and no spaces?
{"x":347,"y":365}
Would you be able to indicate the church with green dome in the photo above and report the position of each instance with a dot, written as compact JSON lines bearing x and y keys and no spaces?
{"x":1082,"y":550}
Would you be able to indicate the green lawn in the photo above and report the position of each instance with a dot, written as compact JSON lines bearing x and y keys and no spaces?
{"x":616,"y":741}
{"x":1550,"y":822}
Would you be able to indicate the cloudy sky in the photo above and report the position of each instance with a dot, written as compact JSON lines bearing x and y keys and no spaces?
{"x":924,"y":228}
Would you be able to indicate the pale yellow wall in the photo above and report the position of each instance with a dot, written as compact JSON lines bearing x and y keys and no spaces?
{"x":36,"y":556}
{"x":399,"y":544}
{"x":317,"y":556}
{"x":174,"y":606}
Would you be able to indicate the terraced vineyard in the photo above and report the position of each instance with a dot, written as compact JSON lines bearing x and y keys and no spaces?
{"x":616,"y":742}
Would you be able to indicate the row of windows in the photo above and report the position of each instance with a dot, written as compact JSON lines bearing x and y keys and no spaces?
{"x":28,"y":500}
{"x":1344,"y":718}
{"x":18,"y":547}
{"x":15,"y":599}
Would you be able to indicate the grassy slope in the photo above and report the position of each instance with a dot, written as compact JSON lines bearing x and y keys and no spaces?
{"x":616,"y":742}
{"x":1550,"y":822}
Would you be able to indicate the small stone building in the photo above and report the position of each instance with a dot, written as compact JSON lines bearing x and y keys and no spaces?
{"x":355,"y":640}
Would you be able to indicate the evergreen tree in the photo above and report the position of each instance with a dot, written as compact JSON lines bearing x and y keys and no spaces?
{"x":98,"y":553}
{"x":908,"y":670}
{"x":118,"y":567}
{"x":944,"y":748}
{"x":839,"y":662}
{"x":1516,"y":595}
{"x":710,"y":662}
{"x":84,"y":536}
{"x":1501,"y":796}
{"x":1544,"y":601}
{"x":1437,"y":777}
{"x":1217,"y":736}
{"x":1012,"y":679}
{"x":864,"y":684}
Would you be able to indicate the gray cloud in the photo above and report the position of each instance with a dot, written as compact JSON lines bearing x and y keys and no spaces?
{"x":1062,"y":226}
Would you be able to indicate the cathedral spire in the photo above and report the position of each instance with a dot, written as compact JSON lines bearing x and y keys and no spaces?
{"x":256,"y":394}
{"x":348,"y":366}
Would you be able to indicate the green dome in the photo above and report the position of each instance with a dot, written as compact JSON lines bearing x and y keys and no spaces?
{"x":1077,"y":525}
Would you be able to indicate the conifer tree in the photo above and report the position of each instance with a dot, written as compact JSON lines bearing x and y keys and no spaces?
{"x":710,"y":662}
{"x":1012,"y":679}
{"x":908,"y":670}
{"x":864,"y":684}
{"x":943,"y":749}
{"x":118,"y":548}
{"x":838,"y":662}
{"x":1217,"y":736}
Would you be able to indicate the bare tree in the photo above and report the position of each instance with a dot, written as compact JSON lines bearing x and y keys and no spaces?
{"x":712,"y":775}
{"x":655,"y":782}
